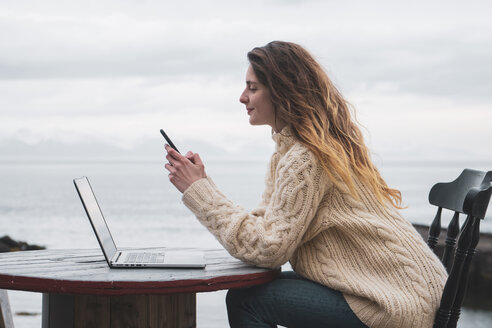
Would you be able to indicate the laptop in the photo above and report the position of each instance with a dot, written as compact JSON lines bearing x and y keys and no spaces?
{"x":130,"y":258}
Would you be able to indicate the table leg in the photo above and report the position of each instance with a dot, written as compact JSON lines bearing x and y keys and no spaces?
{"x":6,"y":320}
{"x":78,"y":311}
{"x":57,"y":310}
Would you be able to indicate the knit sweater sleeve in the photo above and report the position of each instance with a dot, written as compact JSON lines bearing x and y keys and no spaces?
{"x":264,"y":238}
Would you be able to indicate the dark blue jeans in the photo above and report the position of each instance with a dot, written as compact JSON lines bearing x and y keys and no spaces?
{"x":290,"y":301}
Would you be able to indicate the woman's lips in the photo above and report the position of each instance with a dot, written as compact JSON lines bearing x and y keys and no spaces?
{"x":249,"y":110}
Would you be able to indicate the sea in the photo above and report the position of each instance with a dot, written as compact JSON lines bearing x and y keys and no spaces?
{"x":39,"y":205}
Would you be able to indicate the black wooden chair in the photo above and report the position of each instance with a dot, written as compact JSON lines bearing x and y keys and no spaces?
{"x":469,"y":194}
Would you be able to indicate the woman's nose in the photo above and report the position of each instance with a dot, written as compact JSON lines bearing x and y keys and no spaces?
{"x":243,"y":98}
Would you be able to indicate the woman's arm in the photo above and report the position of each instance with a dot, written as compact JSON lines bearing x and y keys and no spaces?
{"x":267,"y":240}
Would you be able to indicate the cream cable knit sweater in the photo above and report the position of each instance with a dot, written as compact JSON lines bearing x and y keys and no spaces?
{"x":388,"y":275}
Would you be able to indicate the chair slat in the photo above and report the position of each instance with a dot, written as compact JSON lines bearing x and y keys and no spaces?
{"x":463,"y":283}
{"x":450,"y":288}
{"x":435,"y":230}
{"x":453,"y":231}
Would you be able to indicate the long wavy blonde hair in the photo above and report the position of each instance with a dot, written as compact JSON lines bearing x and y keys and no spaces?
{"x":319,"y":116}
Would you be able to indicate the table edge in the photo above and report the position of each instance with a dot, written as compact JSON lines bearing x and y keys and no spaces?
{"x":110,"y":288}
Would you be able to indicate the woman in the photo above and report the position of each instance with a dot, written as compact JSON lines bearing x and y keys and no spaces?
{"x":325,"y":208}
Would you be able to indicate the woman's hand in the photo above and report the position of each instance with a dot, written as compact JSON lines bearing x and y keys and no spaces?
{"x":184,"y":170}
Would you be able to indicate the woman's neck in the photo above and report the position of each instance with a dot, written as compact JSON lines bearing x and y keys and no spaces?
{"x":279,"y":126}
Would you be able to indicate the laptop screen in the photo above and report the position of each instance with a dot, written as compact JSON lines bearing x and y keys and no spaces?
{"x":95,"y":217}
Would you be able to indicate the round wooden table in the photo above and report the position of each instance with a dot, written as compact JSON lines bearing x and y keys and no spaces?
{"x":80,"y":290}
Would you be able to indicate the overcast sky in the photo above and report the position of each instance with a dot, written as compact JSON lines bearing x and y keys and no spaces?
{"x":418,"y":73}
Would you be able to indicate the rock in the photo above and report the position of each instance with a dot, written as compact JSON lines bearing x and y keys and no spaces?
{"x":7,"y":244}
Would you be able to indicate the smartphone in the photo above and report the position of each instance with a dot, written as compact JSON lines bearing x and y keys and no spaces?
{"x":169,"y":142}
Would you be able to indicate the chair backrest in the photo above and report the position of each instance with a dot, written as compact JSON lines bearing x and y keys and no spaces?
{"x":469,"y":194}
{"x":6,"y":320}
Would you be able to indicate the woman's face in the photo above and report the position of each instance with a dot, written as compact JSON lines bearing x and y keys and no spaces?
{"x":256,"y":97}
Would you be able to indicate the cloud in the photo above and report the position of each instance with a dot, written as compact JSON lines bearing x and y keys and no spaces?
{"x":113,"y":46}
{"x":383,"y":39}
{"x":119,"y":70}
{"x":406,"y":126}
{"x":109,"y":96}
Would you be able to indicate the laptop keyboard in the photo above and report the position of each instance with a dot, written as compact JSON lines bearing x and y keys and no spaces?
{"x":134,"y":258}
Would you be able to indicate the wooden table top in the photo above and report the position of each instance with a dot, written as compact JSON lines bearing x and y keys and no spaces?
{"x":84,"y":271}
